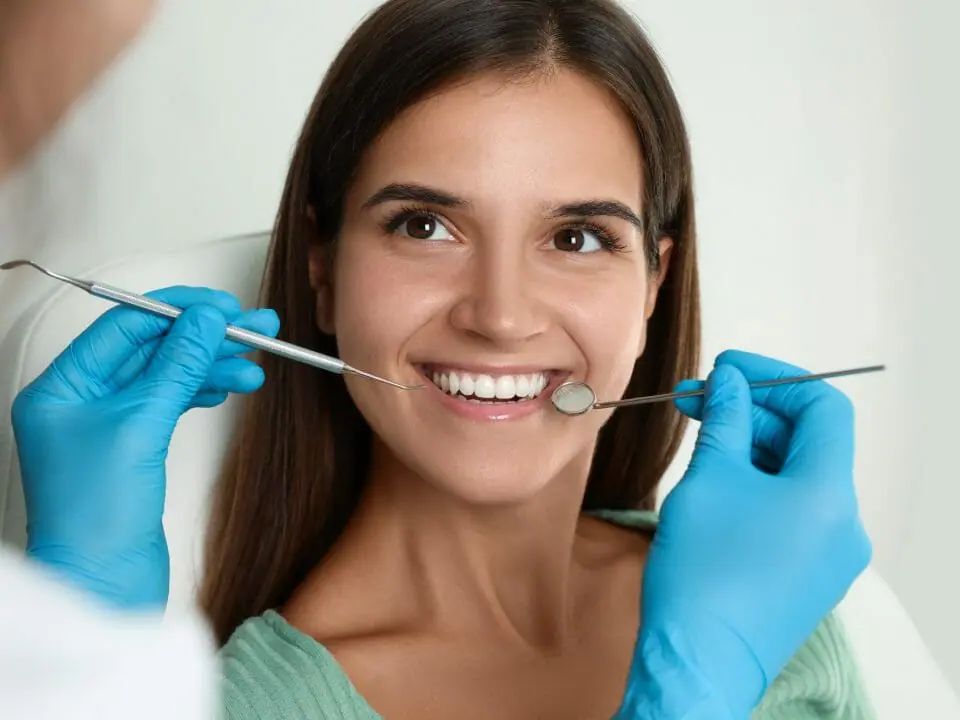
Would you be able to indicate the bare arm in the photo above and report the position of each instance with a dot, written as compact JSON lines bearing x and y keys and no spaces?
{"x":50,"y":53}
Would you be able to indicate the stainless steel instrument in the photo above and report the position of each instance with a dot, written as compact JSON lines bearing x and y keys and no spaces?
{"x":236,"y":334}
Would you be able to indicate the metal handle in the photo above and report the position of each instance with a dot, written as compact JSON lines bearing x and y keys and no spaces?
{"x":240,"y":335}
{"x":753,"y":386}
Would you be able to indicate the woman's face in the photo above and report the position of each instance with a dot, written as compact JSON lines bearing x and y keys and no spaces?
{"x":491,"y":249}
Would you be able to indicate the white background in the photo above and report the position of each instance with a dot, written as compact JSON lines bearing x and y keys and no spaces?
{"x":825,"y":145}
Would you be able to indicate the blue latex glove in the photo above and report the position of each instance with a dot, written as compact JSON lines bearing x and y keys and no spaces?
{"x":92,"y":434}
{"x":747,"y":562}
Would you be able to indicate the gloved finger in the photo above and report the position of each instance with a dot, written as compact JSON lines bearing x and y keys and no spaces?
{"x":85,"y":369}
{"x":726,"y":424}
{"x":822,"y":445}
{"x":754,"y":367}
{"x":234,"y":375}
{"x":208,"y":400}
{"x":692,"y":407}
{"x":770,"y":433}
{"x":265,"y":322}
{"x":788,"y":400}
{"x":179,"y":368}
{"x":821,"y":416}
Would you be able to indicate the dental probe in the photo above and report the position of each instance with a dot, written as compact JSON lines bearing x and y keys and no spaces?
{"x":576,"y":398}
{"x":236,"y":334}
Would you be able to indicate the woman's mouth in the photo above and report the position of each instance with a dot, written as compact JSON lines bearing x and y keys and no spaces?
{"x":492,"y":395}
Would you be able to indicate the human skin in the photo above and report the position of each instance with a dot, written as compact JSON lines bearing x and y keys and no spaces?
{"x":51,"y":51}
{"x":471,"y":522}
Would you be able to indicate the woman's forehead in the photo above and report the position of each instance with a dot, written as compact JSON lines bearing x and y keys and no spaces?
{"x":556,"y":136}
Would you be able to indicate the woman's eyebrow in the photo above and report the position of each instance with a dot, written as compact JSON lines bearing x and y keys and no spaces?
{"x":412,"y":192}
{"x":599,"y":208}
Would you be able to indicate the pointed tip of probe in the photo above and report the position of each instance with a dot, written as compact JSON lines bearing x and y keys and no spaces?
{"x":371,"y":376}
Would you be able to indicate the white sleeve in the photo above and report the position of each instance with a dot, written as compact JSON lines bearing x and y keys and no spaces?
{"x":63,"y":657}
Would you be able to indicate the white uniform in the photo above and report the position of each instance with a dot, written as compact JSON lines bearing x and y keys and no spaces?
{"x":61,"y":656}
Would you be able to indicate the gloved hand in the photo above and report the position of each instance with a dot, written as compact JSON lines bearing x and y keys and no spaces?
{"x":756,"y":545}
{"x":92,"y":434}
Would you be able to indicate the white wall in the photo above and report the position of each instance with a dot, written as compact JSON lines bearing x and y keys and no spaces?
{"x":824,"y":143}
{"x":923,"y":249}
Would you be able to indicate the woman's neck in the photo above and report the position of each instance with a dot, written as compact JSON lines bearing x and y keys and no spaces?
{"x":454,"y":567}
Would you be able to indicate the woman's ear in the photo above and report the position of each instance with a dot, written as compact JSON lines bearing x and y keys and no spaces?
{"x":321,"y":282}
{"x":654,"y":283}
{"x":665,"y":250}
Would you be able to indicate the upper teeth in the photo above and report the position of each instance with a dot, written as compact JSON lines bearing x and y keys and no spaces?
{"x":490,"y":387}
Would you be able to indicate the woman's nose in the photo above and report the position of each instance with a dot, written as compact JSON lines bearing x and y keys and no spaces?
{"x":500,"y":302}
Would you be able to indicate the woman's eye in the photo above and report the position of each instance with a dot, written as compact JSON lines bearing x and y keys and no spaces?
{"x":424,"y":227}
{"x":577,"y":240}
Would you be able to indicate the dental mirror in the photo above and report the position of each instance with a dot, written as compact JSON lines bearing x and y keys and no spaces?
{"x":576,"y":398}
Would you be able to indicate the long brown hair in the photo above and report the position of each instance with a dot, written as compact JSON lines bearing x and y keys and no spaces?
{"x":300,"y":461}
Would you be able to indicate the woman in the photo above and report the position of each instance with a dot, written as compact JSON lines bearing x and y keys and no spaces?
{"x":489,"y":198}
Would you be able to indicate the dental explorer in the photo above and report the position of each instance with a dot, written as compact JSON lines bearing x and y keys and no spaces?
{"x":236,"y":334}
{"x":576,"y":398}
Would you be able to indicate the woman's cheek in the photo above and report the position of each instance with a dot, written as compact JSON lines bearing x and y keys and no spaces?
{"x":613,"y":338}
{"x":379,"y":312}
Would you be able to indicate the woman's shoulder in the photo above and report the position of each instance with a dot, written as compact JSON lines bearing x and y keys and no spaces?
{"x":272,"y":670}
{"x":821,"y":682}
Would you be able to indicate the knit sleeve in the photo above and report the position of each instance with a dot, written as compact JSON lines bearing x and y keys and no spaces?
{"x":272,"y":672}
{"x":821,"y":682}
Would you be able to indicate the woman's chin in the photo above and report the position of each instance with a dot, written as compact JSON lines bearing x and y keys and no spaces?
{"x":490,"y":480}
{"x":500,"y":464}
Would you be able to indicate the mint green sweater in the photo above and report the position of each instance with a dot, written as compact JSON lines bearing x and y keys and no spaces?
{"x":272,"y":671}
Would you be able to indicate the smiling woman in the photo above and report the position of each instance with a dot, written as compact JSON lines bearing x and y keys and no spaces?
{"x":492,"y":197}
